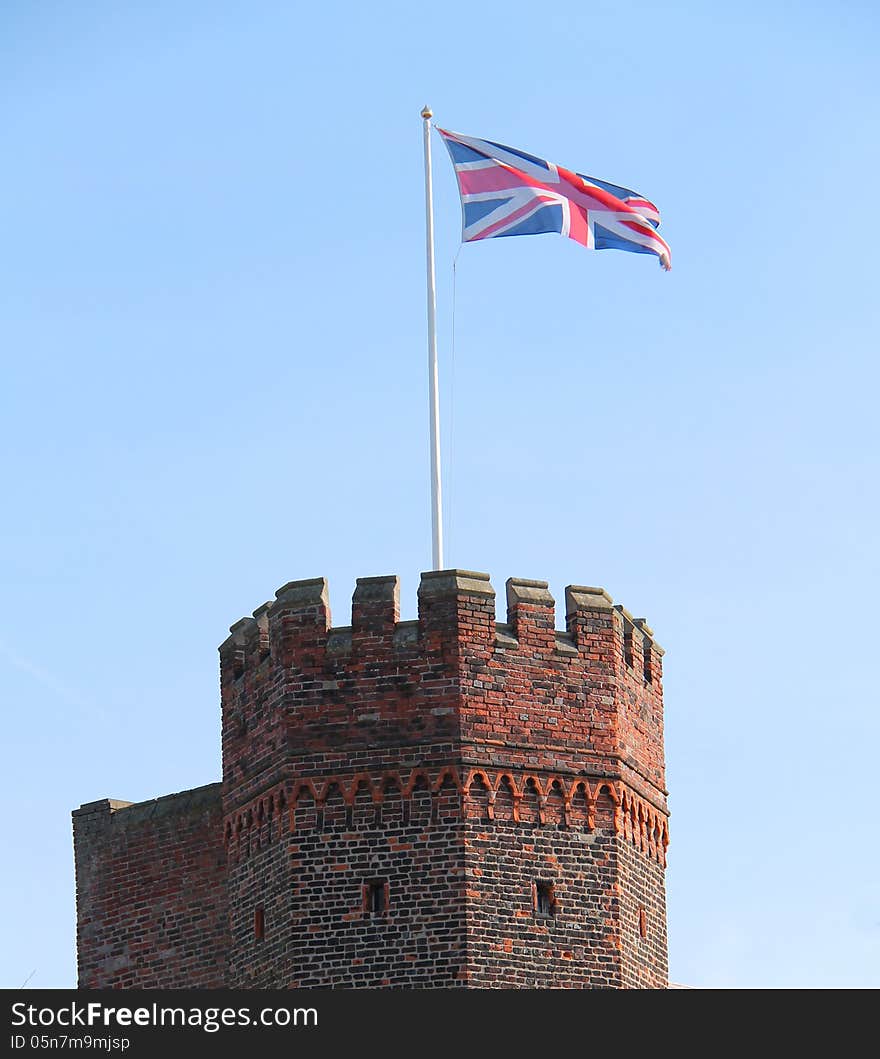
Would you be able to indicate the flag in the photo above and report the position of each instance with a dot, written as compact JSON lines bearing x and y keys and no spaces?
{"x":507,"y":192}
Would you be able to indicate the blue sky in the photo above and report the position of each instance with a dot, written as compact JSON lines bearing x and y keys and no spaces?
{"x":212,"y":324}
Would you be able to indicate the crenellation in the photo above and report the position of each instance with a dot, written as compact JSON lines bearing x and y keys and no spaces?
{"x":456,"y":609}
{"x":309,"y":595}
{"x":652,"y":654}
{"x":261,"y":617}
{"x":233,"y":650}
{"x":375,"y":607}
{"x":339,"y":640}
{"x":582,"y":598}
{"x":531,"y":614}
{"x":406,"y":635}
{"x":452,"y":584}
{"x":504,"y":638}
{"x":565,"y":645}
{"x":633,"y":653}
{"x":299,"y":620}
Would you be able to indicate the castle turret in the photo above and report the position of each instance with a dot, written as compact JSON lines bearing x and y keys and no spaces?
{"x":459,"y":802}
{"x":452,"y":801}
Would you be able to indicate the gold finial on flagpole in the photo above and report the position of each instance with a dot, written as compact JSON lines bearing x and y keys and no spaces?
{"x":427,"y":112}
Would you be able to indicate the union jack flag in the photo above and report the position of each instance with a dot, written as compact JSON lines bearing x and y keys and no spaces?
{"x":508,"y":192}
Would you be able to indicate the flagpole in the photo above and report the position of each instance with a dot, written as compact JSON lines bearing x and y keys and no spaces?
{"x":436,"y":498}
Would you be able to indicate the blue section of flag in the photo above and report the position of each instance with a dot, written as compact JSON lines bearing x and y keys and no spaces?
{"x":476,"y":211}
{"x":459,"y":153}
{"x":546,"y":219}
{"x":605,"y":240}
{"x":520,"y":154}
{"x":615,"y":189}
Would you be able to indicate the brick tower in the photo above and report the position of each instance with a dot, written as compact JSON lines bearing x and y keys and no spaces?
{"x":450,"y":801}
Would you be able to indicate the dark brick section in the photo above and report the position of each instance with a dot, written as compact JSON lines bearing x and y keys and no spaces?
{"x":259,"y":877}
{"x":151,"y":892}
{"x":510,"y":944}
{"x":311,"y":883}
{"x":445,"y":802}
{"x":641,"y":887}
{"x":410,"y":848}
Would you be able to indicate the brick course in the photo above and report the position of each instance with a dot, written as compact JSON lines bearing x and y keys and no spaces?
{"x":454,"y":764}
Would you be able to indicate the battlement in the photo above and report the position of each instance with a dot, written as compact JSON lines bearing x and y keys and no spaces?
{"x":295,"y":687}
{"x":457,"y":602}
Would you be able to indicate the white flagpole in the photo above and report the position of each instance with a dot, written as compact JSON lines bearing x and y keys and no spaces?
{"x":436,"y":499}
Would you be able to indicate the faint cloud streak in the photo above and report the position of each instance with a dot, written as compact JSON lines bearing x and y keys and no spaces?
{"x":48,"y":680}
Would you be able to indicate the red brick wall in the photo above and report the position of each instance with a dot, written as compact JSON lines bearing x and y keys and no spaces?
{"x":151,"y":892}
{"x":535,"y":697}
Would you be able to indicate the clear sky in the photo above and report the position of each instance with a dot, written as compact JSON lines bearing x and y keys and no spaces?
{"x":212,"y":323}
